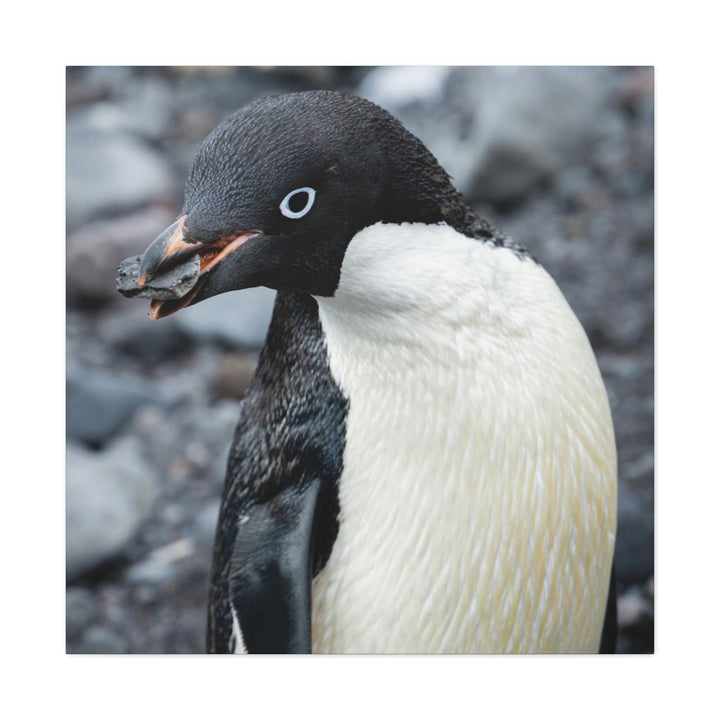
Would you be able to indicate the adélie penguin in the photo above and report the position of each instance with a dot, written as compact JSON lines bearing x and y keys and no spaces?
{"x":425,"y":459}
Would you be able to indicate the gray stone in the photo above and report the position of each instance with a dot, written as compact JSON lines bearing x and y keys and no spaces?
{"x":173,"y":284}
{"x":100,"y":640}
{"x":99,"y":404}
{"x":500,"y":131}
{"x":109,"y":494}
{"x":112,"y":172}
{"x":144,"y":109}
{"x":95,"y":251}
{"x":534,"y":121}
{"x":239,"y":319}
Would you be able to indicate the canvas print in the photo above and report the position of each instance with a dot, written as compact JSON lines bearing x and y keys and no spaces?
{"x":360,"y":360}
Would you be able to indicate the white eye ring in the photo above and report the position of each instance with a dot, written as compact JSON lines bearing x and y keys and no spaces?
{"x":285,"y":204}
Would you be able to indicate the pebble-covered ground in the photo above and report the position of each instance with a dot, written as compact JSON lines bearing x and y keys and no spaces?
{"x":560,"y":158}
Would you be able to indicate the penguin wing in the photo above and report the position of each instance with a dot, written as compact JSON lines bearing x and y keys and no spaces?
{"x":270,"y":572}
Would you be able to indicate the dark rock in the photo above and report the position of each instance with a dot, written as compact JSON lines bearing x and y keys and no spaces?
{"x":91,"y":84}
{"x":99,"y":404}
{"x":151,"y":342}
{"x":94,"y":252}
{"x":634,"y":547}
{"x":173,"y":284}
{"x":109,"y":494}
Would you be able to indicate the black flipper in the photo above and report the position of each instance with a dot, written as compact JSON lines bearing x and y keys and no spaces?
{"x":271,"y":572}
{"x":608,"y":639}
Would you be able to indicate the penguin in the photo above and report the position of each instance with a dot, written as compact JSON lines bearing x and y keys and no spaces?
{"x":425,"y":459}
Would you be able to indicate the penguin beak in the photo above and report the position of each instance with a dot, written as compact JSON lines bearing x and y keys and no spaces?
{"x":173,"y":247}
{"x":169,"y":247}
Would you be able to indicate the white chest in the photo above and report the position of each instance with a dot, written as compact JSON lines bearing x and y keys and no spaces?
{"x":478,"y":491}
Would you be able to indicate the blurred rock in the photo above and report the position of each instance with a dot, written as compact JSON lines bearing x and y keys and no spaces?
{"x":94,"y":83}
{"x":312,"y":76}
{"x":95,"y":251}
{"x":80,"y":611}
{"x":99,"y":404}
{"x":238,"y":319}
{"x":110,"y":172}
{"x":535,"y":121}
{"x":633,"y":608}
{"x":501,"y":131}
{"x":397,"y":87}
{"x":160,"y":565}
{"x":152,"y":342}
{"x":109,"y":494}
{"x":649,"y":588}
{"x":234,"y":375}
{"x":636,"y":621}
{"x":204,"y":525}
{"x":635,"y":545}
{"x":100,"y":640}
{"x":145,"y":110}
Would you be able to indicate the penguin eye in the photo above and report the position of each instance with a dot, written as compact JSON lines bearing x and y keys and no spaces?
{"x":297,"y":203}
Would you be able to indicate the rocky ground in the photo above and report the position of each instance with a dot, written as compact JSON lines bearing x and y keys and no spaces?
{"x":560,"y":158}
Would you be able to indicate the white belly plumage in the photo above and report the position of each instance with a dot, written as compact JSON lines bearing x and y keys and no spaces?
{"x":478,"y":494}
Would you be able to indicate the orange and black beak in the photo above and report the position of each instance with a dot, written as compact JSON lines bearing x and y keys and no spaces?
{"x":167,"y":249}
{"x":168,"y":261}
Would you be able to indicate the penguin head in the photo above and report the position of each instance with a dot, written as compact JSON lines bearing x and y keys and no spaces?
{"x":276,"y":193}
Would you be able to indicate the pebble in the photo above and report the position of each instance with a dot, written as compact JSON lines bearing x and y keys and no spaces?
{"x":108,"y":495}
{"x":99,"y":404}
{"x":177,"y":282}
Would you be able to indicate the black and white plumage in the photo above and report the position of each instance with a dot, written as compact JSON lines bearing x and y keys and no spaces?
{"x":425,"y":460}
